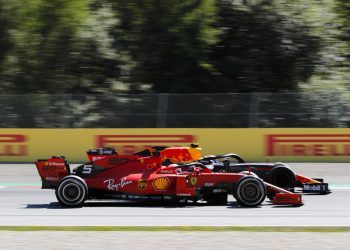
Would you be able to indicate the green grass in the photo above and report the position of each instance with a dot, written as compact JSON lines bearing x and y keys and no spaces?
{"x":178,"y":228}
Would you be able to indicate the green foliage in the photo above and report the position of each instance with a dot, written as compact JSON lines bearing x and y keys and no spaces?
{"x":187,"y":46}
{"x":261,"y":49}
{"x":343,"y":10}
{"x":5,"y":25}
{"x":61,"y":46}
{"x":170,"y":42}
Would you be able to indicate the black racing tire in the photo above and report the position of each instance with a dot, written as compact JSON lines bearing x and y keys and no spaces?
{"x":72,"y":191}
{"x":250,"y":191}
{"x":283,"y":177}
{"x":217,"y":199}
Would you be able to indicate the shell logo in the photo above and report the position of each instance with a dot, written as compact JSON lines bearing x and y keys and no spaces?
{"x":161,"y":184}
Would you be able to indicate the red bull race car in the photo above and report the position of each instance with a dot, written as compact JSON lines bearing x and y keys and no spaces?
{"x":144,"y":176}
{"x":278,"y":173}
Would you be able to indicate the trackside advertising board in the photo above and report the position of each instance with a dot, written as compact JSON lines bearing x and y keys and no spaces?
{"x":289,"y":145}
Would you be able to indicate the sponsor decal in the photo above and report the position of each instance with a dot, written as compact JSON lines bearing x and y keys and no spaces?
{"x":219,"y":191}
{"x":51,"y":178}
{"x":118,"y":161}
{"x":130,"y":144}
{"x":54,"y":164}
{"x":208,"y":184}
{"x":176,"y":155}
{"x":156,"y":197}
{"x":182,"y":194}
{"x":315,"y":187}
{"x":308,"y":145}
{"x":111,"y":185}
{"x":193,"y":181}
{"x":167,"y":171}
{"x":161,"y":184}
{"x":13,"y":145}
{"x":142,"y":184}
{"x":285,"y":198}
{"x":95,"y":158}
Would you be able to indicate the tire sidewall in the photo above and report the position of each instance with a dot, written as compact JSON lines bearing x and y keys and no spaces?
{"x":78,"y":183}
{"x":284,"y":171}
{"x":240,"y":188}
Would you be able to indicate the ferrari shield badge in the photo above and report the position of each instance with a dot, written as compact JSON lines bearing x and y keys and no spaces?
{"x":142,"y":184}
{"x":193,"y":181}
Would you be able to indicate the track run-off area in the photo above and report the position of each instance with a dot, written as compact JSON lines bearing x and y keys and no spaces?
{"x":23,"y":203}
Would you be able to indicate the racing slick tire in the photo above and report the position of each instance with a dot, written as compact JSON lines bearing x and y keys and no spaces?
{"x":72,"y":191}
{"x":283,"y":177}
{"x":250,"y":191}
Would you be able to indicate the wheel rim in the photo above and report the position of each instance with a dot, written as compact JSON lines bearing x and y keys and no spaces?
{"x":71,"y":192}
{"x":251,"y":192}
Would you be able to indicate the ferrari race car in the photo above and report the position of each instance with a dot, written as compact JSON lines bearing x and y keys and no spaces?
{"x":111,"y":176}
{"x":278,"y":174}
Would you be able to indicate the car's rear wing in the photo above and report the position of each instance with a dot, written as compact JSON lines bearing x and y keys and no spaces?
{"x":52,"y":170}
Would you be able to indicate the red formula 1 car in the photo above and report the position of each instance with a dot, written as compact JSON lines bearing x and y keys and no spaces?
{"x":113,"y":176}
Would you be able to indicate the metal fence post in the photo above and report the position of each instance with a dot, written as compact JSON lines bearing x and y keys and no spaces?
{"x":254,"y":110}
{"x":162,"y":110}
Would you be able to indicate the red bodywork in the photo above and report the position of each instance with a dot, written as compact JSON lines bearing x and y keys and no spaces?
{"x":135,"y":176}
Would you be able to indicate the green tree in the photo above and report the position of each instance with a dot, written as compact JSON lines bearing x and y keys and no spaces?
{"x":6,"y":22}
{"x":63,"y":46}
{"x":261,"y":49}
{"x":43,"y":38}
{"x":170,"y":42}
{"x":342,"y":8}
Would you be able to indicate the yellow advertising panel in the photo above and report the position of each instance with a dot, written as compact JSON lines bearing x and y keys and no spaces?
{"x":289,"y":145}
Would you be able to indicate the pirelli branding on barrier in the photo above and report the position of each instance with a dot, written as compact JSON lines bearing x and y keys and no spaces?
{"x":13,"y":145}
{"x":299,"y":145}
{"x":308,"y":145}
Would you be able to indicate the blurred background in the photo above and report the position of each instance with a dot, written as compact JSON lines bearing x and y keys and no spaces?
{"x":167,"y":63}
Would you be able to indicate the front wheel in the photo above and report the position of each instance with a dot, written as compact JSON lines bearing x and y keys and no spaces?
{"x":283,"y":177}
{"x":72,"y":191}
{"x":250,"y":192}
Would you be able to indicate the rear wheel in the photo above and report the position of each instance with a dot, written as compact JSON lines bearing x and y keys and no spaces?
{"x":72,"y":191}
{"x":250,"y":192}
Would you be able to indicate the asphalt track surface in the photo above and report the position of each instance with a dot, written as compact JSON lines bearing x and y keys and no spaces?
{"x":22,"y":202}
